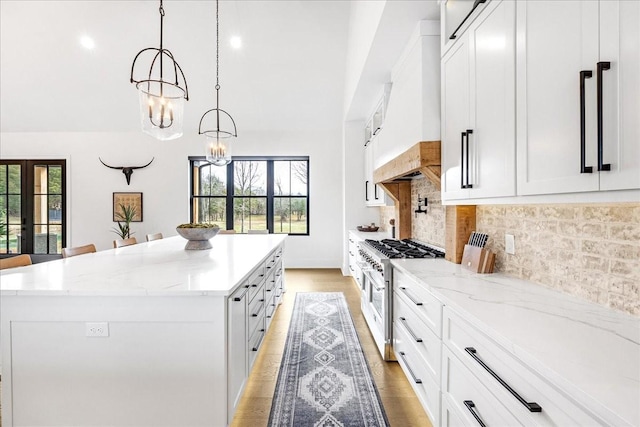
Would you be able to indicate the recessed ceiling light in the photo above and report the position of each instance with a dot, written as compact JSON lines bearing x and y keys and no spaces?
{"x":87,"y":42}
{"x":236,"y":42}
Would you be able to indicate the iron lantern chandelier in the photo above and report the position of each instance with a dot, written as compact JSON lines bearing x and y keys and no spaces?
{"x":161,"y":100}
{"x":219,"y":136}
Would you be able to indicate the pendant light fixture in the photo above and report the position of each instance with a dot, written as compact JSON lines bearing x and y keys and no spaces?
{"x":221,"y":128}
{"x":161,"y":101}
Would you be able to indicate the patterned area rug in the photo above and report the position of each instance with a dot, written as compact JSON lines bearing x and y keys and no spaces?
{"x":324,"y":378}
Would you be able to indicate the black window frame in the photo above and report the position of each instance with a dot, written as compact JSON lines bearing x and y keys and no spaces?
{"x":270,"y":196}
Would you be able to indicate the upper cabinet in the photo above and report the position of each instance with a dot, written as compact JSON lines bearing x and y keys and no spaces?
{"x":455,"y":17}
{"x":373,"y":194}
{"x":578,"y":96}
{"x":478,"y":108}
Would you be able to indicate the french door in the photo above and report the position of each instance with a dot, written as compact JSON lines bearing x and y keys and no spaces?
{"x":32,"y":207}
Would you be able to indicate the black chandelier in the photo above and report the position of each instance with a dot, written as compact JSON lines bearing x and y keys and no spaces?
{"x":161,"y":101}
{"x":218,"y":138}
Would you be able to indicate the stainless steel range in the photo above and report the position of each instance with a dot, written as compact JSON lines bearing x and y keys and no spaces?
{"x":377,"y":293}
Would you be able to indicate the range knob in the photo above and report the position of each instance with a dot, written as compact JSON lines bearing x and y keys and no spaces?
{"x":379,"y":268}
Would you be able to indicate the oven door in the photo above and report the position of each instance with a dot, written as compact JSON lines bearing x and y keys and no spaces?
{"x":377,"y":295}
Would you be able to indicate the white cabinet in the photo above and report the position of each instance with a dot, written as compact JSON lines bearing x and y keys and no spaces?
{"x":373,"y":194}
{"x":570,"y":137}
{"x":354,"y":255}
{"x":237,"y":347}
{"x":417,"y":330}
{"x":478,"y":101}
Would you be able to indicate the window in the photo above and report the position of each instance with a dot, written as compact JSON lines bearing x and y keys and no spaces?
{"x":252,"y":193}
{"x":32,"y":207}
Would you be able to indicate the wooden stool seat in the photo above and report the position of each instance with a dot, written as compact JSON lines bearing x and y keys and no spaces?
{"x":78,"y":250}
{"x":118,"y":243}
{"x":15,"y":261}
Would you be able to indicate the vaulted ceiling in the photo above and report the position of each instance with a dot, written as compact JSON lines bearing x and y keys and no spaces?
{"x":289,"y":74}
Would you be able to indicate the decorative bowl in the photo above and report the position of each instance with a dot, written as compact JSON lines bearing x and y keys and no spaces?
{"x":367,"y":228}
{"x":198,"y":237}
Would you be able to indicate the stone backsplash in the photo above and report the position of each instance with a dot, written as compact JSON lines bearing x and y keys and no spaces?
{"x":588,"y":250}
{"x":429,"y":227}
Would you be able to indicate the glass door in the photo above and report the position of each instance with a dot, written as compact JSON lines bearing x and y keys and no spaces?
{"x":32,"y":207}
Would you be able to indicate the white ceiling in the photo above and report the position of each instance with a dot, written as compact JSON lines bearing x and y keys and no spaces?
{"x":289,"y":73}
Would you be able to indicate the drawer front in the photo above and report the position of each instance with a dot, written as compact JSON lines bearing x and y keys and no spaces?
{"x":419,"y":298}
{"x":476,"y":349}
{"x":256,"y":280}
{"x":450,"y":415}
{"x":426,"y":388}
{"x":469,"y":398}
{"x":254,"y":345}
{"x":256,"y":314}
{"x":409,"y":327}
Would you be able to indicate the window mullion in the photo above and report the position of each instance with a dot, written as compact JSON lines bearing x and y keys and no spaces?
{"x":270,"y":192}
{"x":230,"y":200}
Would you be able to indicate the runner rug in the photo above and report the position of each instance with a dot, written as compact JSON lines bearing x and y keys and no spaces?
{"x":324,"y":378}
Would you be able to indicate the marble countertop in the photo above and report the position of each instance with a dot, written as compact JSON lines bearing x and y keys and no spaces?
{"x":160,"y":267}
{"x":591,"y":352}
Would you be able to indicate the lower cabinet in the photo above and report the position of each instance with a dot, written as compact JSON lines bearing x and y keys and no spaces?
{"x":250,"y":310}
{"x":464,"y":377}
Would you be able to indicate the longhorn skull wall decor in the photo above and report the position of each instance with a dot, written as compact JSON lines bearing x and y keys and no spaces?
{"x":127,"y":170}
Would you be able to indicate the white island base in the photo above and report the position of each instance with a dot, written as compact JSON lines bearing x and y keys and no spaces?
{"x":169,"y":349}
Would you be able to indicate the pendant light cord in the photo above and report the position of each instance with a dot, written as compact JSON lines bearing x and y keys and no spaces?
{"x":217,"y":68}
{"x":161,"y":10}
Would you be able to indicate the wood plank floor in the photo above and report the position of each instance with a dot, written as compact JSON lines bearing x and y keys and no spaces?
{"x":399,"y":401}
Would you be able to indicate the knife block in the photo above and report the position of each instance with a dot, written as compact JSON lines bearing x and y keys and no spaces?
{"x":477,"y":259}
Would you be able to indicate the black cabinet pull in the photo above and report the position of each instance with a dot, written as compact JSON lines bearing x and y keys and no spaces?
{"x":404,"y":359}
{"x":602,"y":66}
{"x":413,"y":300}
{"x":240,"y":297}
{"x":375,"y":191}
{"x":366,"y":191}
{"x":531,"y":406}
{"x":468,"y":132}
{"x":463,"y":135}
{"x":585,"y":74}
{"x":475,"y":5}
{"x":406,"y":325}
{"x":470,"y":406}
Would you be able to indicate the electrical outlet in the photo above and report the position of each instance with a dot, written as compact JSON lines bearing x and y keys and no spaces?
{"x":97,"y":329}
{"x":510,"y":244}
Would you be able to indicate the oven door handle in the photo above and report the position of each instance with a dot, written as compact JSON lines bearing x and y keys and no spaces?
{"x":413,"y":300}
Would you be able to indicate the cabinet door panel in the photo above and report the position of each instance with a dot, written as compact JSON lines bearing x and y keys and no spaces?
{"x":492,"y":144}
{"x":620,"y":45}
{"x":455,"y":117}
{"x":555,"y":41}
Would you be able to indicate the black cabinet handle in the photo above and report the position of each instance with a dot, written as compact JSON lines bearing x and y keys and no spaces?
{"x":470,"y":406}
{"x":602,"y":66}
{"x":375,"y":191}
{"x":585,"y":74}
{"x":366,"y":191}
{"x":413,"y":300}
{"x":531,"y":406}
{"x":475,"y":5}
{"x":240,"y":297}
{"x":463,"y":135}
{"x":404,"y":359}
{"x":467,"y":133}
{"x":406,"y":325}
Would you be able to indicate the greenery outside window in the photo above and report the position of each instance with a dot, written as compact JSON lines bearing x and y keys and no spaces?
{"x":252,"y":193}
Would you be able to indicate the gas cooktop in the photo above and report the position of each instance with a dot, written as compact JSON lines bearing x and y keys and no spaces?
{"x":405,"y":248}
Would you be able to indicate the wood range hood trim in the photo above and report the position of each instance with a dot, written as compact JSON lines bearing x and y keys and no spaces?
{"x":394,"y":177}
{"x":423,"y":157}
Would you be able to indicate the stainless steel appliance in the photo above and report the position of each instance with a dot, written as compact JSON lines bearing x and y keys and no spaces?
{"x":375,"y":256}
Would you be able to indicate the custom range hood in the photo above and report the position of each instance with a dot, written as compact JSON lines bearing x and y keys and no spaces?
{"x":395,"y":178}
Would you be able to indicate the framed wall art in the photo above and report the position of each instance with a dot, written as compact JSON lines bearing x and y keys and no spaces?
{"x":127,"y":200}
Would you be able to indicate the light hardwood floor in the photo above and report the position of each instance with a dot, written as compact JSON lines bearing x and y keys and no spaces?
{"x":399,"y":401}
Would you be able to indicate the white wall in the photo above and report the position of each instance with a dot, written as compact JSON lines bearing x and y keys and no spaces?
{"x":165,"y":183}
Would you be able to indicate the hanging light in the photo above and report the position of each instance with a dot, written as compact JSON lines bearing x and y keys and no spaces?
{"x":222,"y":129}
{"x":161,"y":101}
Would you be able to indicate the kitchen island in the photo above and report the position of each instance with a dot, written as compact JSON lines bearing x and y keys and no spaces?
{"x":143,"y":335}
